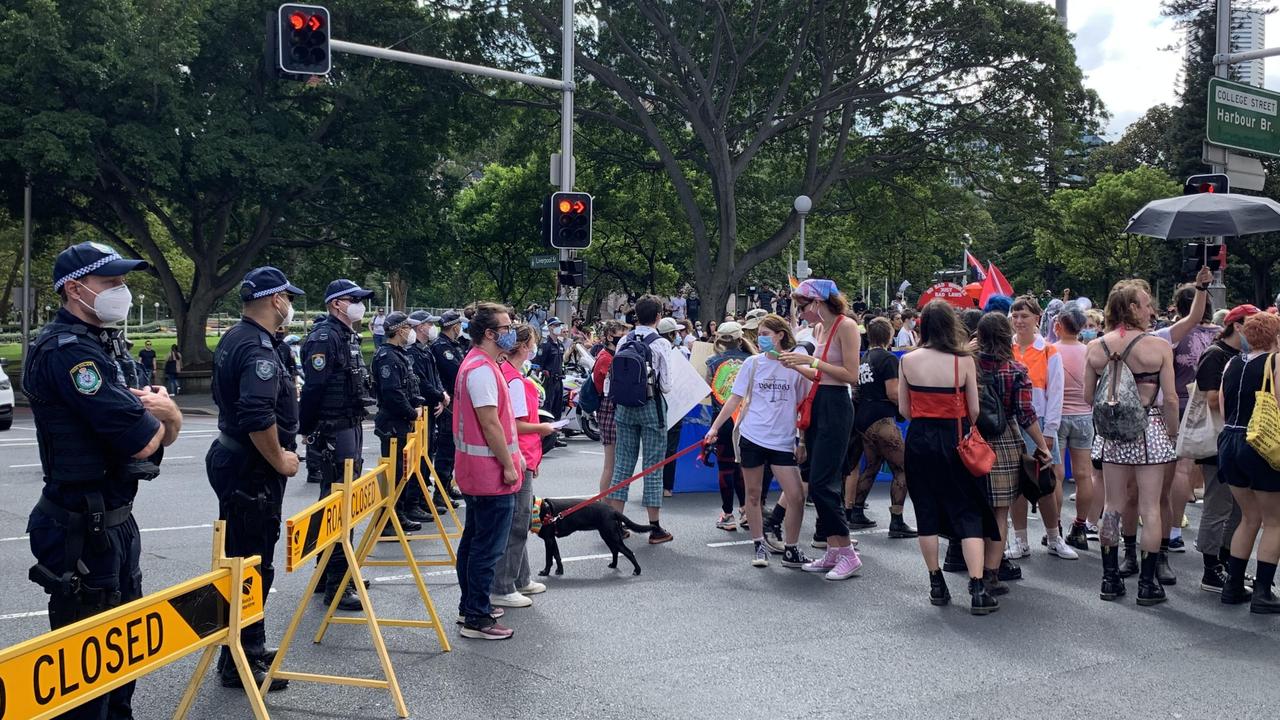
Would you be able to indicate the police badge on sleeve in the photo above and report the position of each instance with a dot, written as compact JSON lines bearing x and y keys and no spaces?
{"x":317,"y":361}
{"x":87,"y":378}
{"x":264,"y":369}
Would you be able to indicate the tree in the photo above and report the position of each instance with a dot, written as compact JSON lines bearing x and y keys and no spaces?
{"x":164,"y":112}
{"x":832,"y":91}
{"x":1148,"y":141}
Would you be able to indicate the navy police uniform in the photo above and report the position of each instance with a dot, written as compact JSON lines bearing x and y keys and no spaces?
{"x":254,"y":391}
{"x":449,"y":355}
{"x":331,"y":408}
{"x":432,"y":391}
{"x":88,"y":427}
{"x":396,"y":389}
{"x":550,"y":359}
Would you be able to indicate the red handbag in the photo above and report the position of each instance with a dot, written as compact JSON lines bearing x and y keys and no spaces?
{"x":975,"y":452}
{"x":804,"y":411}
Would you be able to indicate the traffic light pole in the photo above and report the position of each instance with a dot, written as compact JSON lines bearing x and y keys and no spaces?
{"x":1217,"y":288}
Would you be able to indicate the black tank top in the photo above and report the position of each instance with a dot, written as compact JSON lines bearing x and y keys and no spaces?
{"x":1242,"y":379}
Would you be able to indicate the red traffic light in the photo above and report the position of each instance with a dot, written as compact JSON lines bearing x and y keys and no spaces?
{"x":298,"y":21}
{"x":314,"y":23}
{"x":579,"y":207}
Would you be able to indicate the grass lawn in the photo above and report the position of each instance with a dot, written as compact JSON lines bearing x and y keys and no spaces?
{"x":11,"y":352}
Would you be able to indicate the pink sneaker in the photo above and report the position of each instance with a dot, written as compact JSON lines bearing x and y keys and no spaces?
{"x":846,"y":566}
{"x":494,"y":631}
{"x":824,"y":563}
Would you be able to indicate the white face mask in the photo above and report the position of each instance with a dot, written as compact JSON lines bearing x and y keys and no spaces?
{"x":288,"y":316}
{"x":433,"y":333}
{"x":355,"y":312}
{"x":413,"y":337}
{"x":526,"y":366}
{"x":111,"y":305}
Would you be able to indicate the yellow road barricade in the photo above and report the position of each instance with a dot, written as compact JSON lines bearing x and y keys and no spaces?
{"x":60,"y":670}
{"x":419,"y":444}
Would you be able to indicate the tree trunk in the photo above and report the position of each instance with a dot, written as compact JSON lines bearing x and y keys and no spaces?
{"x":714,"y":295}
{"x":9,"y":283}
{"x":192,"y":334}
{"x":399,"y":290}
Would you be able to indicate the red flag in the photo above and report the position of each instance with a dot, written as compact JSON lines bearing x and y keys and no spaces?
{"x":995,"y":284}
{"x":978,"y":272}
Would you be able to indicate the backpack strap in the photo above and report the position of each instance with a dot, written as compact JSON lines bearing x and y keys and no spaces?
{"x":1129,"y":348}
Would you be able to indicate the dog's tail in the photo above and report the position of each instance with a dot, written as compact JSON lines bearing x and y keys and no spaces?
{"x":632,"y":525}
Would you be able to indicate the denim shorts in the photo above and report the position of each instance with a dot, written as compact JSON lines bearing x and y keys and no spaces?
{"x":1076,"y":432}
{"x":1055,"y":446}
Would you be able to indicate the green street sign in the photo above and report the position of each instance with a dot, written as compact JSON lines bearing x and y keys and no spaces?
{"x":544,"y":262}
{"x":1243,"y":117}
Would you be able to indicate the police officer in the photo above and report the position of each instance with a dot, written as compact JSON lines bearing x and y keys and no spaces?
{"x":396,"y":389}
{"x":97,"y":439}
{"x":550,"y":359}
{"x":332,"y":405}
{"x":435,"y":398}
{"x":315,"y":468}
{"x":253,"y":456}
{"x":449,"y":353}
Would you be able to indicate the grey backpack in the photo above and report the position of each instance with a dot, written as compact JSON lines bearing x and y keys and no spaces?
{"x":1118,"y":412}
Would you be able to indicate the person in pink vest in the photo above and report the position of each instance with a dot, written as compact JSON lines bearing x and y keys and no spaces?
{"x":488,"y":467}
{"x":512,"y":584}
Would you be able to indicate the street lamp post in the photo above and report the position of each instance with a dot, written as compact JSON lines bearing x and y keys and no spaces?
{"x":802,"y":205}
{"x":141,"y":306}
{"x":387,"y":302}
{"x":156,"y":319}
{"x":964,"y":260}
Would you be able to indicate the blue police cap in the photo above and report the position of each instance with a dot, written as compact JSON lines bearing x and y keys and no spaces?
{"x":345,"y":288}
{"x":450,"y":318}
{"x":264,"y":281}
{"x":91,"y":258}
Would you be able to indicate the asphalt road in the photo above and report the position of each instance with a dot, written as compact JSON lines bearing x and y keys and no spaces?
{"x":701,"y":632}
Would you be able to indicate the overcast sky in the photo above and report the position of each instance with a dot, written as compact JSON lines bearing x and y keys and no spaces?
{"x":1120,"y":47}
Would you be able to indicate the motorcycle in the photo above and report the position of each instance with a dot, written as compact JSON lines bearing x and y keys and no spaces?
{"x":580,"y":422}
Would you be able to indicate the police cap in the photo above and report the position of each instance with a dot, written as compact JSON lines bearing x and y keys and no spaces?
{"x":264,"y":281}
{"x":450,"y":318}
{"x":343,"y":287}
{"x":395,"y":321}
{"x":91,"y":258}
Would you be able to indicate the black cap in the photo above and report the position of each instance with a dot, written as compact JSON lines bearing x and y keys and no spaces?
{"x":554,"y":322}
{"x":91,"y":258}
{"x":394,"y":321}
{"x":264,"y":281}
{"x":450,"y":318}
{"x":345,"y":288}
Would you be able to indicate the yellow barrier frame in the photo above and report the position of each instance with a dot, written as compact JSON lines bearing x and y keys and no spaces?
{"x":419,"y":437}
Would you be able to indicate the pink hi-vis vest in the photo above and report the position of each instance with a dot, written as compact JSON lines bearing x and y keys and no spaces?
{"x":530,"y":443}
{"x":476,"y":469}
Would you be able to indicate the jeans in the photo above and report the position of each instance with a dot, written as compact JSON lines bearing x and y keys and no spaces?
{"x":484,"y":538}
{"x":171,"y":380}
{"x":512,"y":572}
{"x":377,"y":340}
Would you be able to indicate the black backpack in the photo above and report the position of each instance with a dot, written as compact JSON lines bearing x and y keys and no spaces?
{"x":631,"y":374}
{"x":991,"y":418}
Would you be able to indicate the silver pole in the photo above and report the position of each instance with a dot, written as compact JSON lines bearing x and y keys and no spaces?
{"x":1062,"y":12}
{"x":564,"y":309}
{"x":26,"y":268}
{"x":1217,"y":288}
{"x":802,"y":217}
{"x":442,"y":64}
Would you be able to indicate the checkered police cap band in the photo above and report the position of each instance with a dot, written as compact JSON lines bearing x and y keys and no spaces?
{"x":86,"y":270}
{"x":342,"y":293}
{"x":272,"y":291}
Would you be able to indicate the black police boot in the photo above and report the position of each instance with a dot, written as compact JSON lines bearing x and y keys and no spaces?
{"x":1234,"y":592}
{"x":1265,"y":601}
{"x":938,"y":593}
{"x":408,"y":523}
{"x":991,"y":578}
{"x":980,"y":601}
{"x":898,"y":528}
{"x":954,"y":560}
{"x":349,"y":601}
{"x":1150,"y":591}
{"x":1077,"y":538}
{"x":417,"y":512}
{"x":857,"y":519}
{"x":1129,"y":565}
{"x":230,"y":677}
{"x":1112,"y":584}
{"x":1009,"y":570}
{"x":1164,"y":573}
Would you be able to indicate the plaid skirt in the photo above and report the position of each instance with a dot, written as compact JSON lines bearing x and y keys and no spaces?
{"x":1002,"y":481}
{"x":1156,"y":448}
{"x":607,"y":420}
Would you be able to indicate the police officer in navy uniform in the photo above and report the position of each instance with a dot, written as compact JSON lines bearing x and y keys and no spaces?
{"x":449,"y":352}
{"x":436,"y":399}
{"x":315,"y":468}
{"x":97,"y":439}
{"x":253,"y":456}
{"x":333,"y":404}
{"x":550,"y":359}
{"x":396,"y":389}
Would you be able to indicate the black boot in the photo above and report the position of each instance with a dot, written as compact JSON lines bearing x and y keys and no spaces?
{"x":991,"y":579}
{"x":954,"y":561}
{"x":980,"y":601}
{"x":1112,"y":585}
{"x":1129,"y":566}
{"x":349,"y":601}
{"x":230,"y":677}
{"x":898,"y":528}
{"x":1150,"y":591}
{"x":1265,"y":602}
{"x":857,"y":518}
{"x":938,"y":593}
{"x":1234,"y":592}
{"x":1009,"y":570}
{"x":1164,"y":573}
{"x":1077,"y":538}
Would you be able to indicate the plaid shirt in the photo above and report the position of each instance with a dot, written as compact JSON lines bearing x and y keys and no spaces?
{"x":1014,"y":386}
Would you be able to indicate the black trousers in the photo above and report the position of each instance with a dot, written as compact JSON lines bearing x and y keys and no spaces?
{"x":346,"y":444}
{"x":827,"y":438}
{"x":115,"y":578}
{"x":442,"y":450}
{"x":250,"y":494}
{"x":384,"y":444}
{"x":673,"y":447}
{"x":554,"y":403}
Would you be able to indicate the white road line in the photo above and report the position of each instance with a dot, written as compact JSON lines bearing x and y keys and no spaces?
{"x":588,"y":452}
{"x":25,"y":466}
{"x":407,"y":576}
{"x":852,"y":533}
{"x":18,"y":444}
{"x":145,"y":530}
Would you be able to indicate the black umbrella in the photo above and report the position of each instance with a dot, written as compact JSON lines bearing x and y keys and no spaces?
{"x":1205,"y":215}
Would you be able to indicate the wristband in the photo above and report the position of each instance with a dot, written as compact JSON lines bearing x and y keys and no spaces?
{"x":1202,"y":288}
{"x":814,"y":364}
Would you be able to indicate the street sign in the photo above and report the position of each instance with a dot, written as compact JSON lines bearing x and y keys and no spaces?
{"x":319,"y":525}
{"x":544,"y":262}
{"x":1243,"y":117}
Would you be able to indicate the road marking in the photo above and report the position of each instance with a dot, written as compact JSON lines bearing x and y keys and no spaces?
{"x":852,"y":533}
{"x":25,"y":466}
{"x":588,"y":452}
{"x":145,"y":530}
{"x":17,"y":444}
{"x":391,"y":578}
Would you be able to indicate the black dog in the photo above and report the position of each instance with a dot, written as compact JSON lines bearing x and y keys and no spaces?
{"x":596,"y":516}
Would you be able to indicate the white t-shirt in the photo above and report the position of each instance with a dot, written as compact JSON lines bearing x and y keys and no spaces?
{"x":770,"y":419}
{"x":679,"y":306}
{"x":905,"y":338}
{"x":379,"y":324}
{"x":482,"y":386}
{"x":519,"y":407}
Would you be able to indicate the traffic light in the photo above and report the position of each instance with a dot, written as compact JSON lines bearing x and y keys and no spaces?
{"x":569,"y":221}
{"x":573,"y":273}
{"x":302,"y":39}
{"x":1197,"y":184}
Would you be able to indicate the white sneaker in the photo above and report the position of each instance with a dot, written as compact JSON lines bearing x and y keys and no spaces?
{"x":533,"y":588}
{"x":1059,"y":547}
{"x":1015,"y":550}
{"x":512,"y":600}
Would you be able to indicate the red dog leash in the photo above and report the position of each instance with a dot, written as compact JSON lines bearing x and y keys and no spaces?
{"x":561,"y":515}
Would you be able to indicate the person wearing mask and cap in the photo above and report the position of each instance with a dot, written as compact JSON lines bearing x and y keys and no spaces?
{"x":97,"y":439}
{"x":433,"y":393}
{"x":668,"y":328}
{"x":253,"y":456}
{"x":332,"y":406}
{"x":396,"y":389}
{"x":550,"y":359}
{"x":449,"y":351}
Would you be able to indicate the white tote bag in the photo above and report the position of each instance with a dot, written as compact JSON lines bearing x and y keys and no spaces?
{"x":1198,"y":434}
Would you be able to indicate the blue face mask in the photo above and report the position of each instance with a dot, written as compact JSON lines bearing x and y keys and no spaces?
{"x":506,"y":341}
{"x":766,"y":344}
{"x":1087,"y":335}
{"x":1244,"y":345}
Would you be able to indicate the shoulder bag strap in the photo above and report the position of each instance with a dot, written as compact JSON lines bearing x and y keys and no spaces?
{"x":959,"y":425}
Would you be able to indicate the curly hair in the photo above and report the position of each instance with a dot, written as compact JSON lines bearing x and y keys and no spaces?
{"x":1261,"y":331}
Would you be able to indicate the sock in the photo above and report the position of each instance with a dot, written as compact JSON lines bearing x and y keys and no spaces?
{"x":1266,"y":576}
{"x":1052,"y":534}
{"x":759,"y":539}
{"x":1021,"y":535}
{"x":1210,"y":561}
{"x":1079,"y":523}
{"x":1175,"y":533}
{"x":1224,"y":555}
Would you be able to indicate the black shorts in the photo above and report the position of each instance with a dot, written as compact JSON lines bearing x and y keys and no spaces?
{"x":753,"y":455}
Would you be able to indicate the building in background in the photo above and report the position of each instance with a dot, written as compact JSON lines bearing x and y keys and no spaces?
{"x":1248,"y":32}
